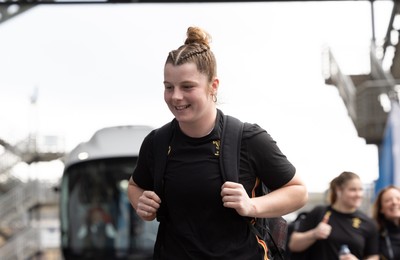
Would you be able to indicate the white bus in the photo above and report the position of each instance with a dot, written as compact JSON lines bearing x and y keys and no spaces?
{"x":97,"y":220}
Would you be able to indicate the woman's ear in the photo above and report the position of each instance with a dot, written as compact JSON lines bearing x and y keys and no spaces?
{"x":215,"y":85}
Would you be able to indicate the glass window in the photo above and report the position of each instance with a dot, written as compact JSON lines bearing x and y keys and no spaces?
{"x":96,"y":215}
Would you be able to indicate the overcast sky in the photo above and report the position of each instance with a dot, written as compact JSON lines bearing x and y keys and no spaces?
{"x":102,"y":65}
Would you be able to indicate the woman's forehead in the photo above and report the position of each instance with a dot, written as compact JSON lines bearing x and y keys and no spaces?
{"x":392,"y":192}
{"x":183,"y":72}
{"x":354,"y":182}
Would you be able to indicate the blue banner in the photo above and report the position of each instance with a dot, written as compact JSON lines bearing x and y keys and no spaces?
{"x":389,"y":155}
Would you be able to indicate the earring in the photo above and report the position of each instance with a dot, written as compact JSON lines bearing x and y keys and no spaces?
{"x":214,"y":98}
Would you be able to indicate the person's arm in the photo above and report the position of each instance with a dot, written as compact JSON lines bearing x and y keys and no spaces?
{"x":140,"y":185}
{"x":287,"y":192}
{"x":146,"y":203}
{"x":300,"y":241}
{"x":290,"y":197}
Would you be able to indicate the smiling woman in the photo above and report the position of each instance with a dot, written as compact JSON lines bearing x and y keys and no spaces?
{"x":188,"y":99}
{"x":386,"y":212}
{"x":201,"y":214}
{"x":326,"y":228}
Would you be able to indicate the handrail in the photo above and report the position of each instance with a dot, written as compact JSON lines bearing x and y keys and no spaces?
{"x":16,"y":203}
{"x":8,"y":160}
{"x":36,"y":148}
{"x":22,"y":246}
{"x":343,"y":82}
{"x":385,"y":79}
{"x":377,"y":71}
{"x":387,"y":41}
{"x":14,"y":208}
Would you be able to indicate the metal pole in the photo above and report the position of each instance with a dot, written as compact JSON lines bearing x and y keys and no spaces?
{"x":373,"y":21}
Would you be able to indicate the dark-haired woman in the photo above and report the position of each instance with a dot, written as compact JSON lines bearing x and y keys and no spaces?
{"x":386,"y":212}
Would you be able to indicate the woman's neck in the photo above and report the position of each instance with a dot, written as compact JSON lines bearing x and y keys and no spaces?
{"x":342,"y":208}
{"x":395,"y":221}
{"x":200,"y":128}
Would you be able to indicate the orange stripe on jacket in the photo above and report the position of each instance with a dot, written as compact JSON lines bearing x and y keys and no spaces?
{"x":259,"y":240}
{"x":264,"y":246}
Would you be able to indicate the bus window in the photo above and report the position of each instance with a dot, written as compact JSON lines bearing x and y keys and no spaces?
{"x":97,"y":220}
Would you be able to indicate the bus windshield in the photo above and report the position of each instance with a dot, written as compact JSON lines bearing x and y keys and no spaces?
{"x":97,"y":220}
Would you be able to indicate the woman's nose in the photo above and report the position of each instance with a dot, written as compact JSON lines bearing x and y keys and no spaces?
{"x":177,"y":94}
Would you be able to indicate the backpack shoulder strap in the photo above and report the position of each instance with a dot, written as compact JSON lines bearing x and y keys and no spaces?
{"x":229,"y":157}
{"x":231,"y":139}
{"x":325,"y":214}
{"x":162,"y":138}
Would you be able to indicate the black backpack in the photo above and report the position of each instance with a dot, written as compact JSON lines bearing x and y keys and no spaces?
{"x":272,"y":230}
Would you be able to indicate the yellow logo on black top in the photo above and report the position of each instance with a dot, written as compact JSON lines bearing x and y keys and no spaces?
{"x":217,"y":147}
{"x":356,"y":222}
